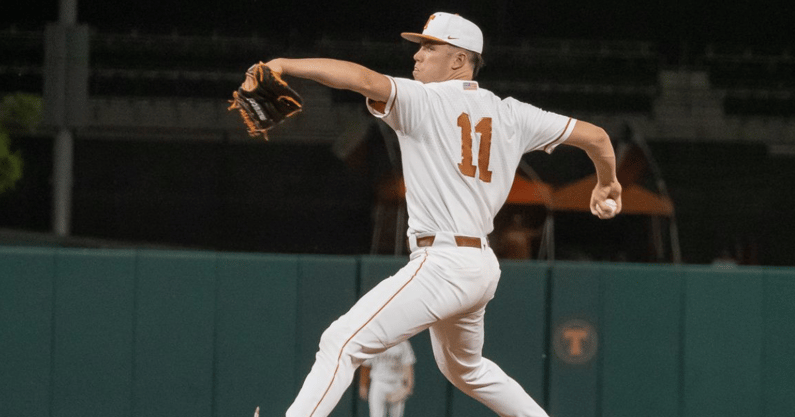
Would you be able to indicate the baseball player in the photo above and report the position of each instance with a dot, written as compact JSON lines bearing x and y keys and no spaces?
{"x":460,"y":147}
{"x":387,"y":379}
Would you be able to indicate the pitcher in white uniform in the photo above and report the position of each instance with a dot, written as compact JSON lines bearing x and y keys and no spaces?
{"x":460,"y":147}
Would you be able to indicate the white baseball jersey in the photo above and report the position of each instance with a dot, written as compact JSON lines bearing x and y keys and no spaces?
{"x":470,"y":141}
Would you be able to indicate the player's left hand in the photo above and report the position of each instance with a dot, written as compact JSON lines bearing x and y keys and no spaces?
{"x":275,"y":65}
{"x":265,"y":100}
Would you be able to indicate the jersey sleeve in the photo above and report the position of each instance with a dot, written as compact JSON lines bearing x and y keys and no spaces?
{"x":541,"y":130}
{"x":407,"y":106}
{"x":379,"y":108}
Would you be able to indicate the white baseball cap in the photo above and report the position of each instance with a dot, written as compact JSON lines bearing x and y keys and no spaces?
{"x":449,"y":28}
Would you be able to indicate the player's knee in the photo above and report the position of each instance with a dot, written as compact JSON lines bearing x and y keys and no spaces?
{"x":441,"y":362}
{"x":460,"y":375}
{"x":336,"y":343}
{"x":330,"y":340}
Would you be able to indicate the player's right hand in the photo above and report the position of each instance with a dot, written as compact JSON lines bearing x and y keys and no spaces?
{"x":600,"y":194}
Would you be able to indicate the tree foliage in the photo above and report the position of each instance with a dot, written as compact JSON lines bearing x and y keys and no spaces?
{"x":19,"y":113}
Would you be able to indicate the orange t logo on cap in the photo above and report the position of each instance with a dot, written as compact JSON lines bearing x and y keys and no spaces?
{"x":433,"y":16}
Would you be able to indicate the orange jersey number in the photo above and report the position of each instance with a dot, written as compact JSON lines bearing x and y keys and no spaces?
{"x":484,"y":129}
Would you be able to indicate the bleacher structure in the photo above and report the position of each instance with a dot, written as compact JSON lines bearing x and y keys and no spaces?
{"x":135,"y":77}
{"x":172,"y":91}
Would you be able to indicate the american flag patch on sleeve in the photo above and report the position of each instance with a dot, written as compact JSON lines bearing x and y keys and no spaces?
{"x":470,"y":85}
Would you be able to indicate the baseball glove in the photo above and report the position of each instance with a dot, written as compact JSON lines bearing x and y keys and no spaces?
{"x":264,"y":100}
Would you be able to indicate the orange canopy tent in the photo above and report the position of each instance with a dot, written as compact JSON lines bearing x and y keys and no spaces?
{"x":634,"y":164}
{"x":529,"y":192}
{"x":634,"y":199}
{"x":574,"y":197}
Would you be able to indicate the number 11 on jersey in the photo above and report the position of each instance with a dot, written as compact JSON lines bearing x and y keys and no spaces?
{"x":484,"y":151}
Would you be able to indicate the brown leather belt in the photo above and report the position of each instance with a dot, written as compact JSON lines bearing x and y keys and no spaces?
{"x":471,"y":242}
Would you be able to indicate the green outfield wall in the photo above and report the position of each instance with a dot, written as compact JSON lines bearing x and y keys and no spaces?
{"x":90,"y":332}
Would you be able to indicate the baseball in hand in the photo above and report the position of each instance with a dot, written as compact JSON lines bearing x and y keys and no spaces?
{"x":612,"y":204}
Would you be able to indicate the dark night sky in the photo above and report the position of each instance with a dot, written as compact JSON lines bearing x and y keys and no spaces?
{"x":696,"y":22}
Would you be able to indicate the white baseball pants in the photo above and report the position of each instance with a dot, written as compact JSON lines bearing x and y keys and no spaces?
{"x":443,"y":287}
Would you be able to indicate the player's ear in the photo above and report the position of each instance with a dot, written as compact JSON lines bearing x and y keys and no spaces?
{"x":460,"y":59}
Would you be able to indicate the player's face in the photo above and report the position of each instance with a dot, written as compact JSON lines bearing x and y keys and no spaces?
{"x":432,"y":63}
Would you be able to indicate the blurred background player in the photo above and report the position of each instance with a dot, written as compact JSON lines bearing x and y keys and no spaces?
{"x":387,"y":380}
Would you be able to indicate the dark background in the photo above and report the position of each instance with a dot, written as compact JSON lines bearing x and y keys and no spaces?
{"x":303,"y":199}
{"x":699,"y":22}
